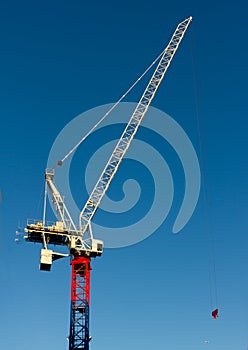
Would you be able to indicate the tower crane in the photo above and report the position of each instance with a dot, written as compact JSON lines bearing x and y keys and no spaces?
{"x":78,"y":238}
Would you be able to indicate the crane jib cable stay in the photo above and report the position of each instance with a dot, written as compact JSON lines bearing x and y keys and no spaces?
{"x":73,"y":149}
{"x":78,"y":238}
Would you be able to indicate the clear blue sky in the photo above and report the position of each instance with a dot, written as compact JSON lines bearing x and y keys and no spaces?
{"x":59,"y":59}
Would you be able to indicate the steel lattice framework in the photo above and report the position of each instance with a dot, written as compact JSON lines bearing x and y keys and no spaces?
{"x":64,"y":232}
{"x":128,"y":134}
{"x":80,"y":302}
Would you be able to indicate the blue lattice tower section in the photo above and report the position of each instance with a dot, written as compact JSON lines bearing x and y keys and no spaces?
{"x":80,"y":302}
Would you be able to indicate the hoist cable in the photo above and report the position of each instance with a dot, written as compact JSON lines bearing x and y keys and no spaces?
{"x":206,"y":203}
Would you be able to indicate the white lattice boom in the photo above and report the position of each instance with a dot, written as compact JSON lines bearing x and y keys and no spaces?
{"x":128,"y":134}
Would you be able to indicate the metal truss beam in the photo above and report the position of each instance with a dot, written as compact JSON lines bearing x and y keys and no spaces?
{"x":80,"y":303}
